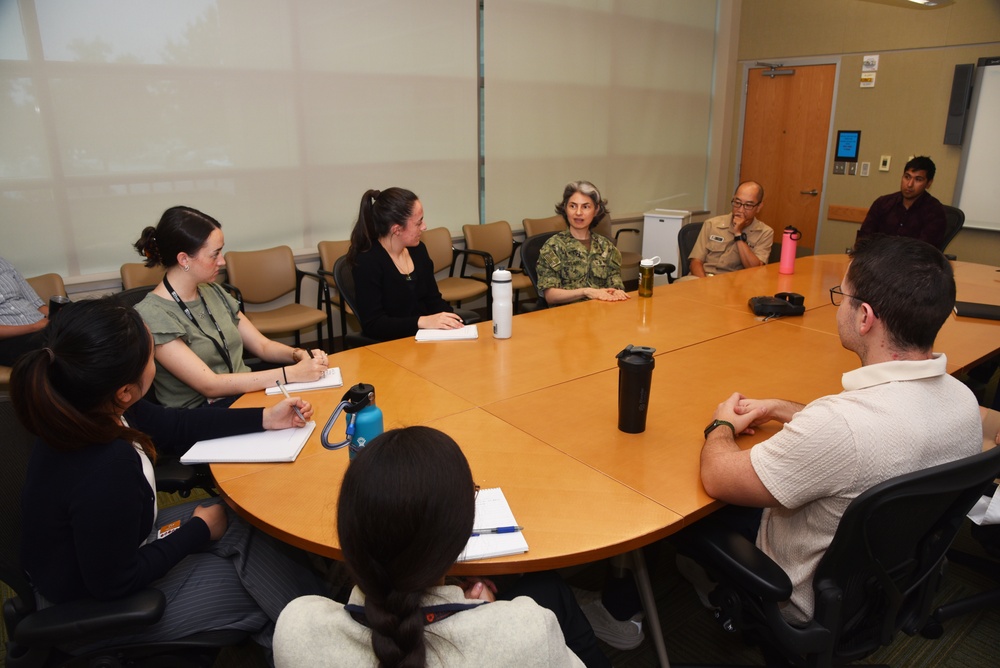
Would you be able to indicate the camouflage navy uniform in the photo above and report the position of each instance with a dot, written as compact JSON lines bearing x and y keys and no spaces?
{"x":566,"y":263}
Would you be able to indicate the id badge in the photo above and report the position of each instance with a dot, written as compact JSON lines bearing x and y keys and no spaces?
{"x":168,"y":529}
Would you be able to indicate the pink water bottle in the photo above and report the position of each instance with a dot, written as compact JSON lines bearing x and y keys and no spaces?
{"x":788,"y":246}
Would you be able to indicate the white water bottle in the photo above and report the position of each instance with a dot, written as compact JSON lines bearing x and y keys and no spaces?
{"x":503,"y":304}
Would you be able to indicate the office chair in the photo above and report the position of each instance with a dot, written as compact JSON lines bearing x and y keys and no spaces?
{"x":329,"y":253}
{"x":775,"y":254}
{"x":529,"y":260}
{"x":454,"y":289}
{"x":34,"y":636}
{"x":630,"y":259}
{"x":989,"y":537}
{"x":133,"y":296}
{"x":136,"y":274}
{"x":263,"y":276}
{"x":344,"y":277}
{"x":489,"y":246}
{"x":954,"y":220}
{"x":46,"y":286}
{"x":536,"y":226}
{"x":877,"y":577}
{"x":687,"y":236}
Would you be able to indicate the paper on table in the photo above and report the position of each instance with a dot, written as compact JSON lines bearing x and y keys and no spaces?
{"x":279,"y":445}
{"x":331,"y":378}
{"x":466,"y":333}
{"x":492,"y":510}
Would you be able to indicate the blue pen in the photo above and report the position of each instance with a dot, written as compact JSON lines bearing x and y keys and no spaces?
{"x":510,"y":529}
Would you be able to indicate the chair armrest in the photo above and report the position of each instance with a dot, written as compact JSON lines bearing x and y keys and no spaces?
{"x":235,"y":292}
{"x":487,"y":260}
{"x":514,"y":254}
{"x":301,"y":274}
{"x":91,"y":619}
{"x":618,"y":232}
{"x":740,"y":562}
{"x":464,"y":253}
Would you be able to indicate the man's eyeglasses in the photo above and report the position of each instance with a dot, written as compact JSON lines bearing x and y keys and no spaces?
{"x":746,"y":206}
{"x":837,"y":295}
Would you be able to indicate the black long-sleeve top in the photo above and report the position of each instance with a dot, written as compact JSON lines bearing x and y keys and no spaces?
{"x":87,"y":512}
{"x":390,"y":303}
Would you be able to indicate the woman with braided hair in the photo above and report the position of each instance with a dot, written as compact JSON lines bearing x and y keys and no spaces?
{"x":405,"y":513}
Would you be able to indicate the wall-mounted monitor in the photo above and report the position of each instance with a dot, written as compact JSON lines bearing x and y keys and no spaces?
{"x":848,"y":143}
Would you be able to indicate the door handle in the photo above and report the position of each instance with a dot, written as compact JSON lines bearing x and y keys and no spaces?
{"x":812,"y":192}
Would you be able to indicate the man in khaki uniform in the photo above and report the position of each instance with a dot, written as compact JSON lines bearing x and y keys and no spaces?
{"x":734,"y":241}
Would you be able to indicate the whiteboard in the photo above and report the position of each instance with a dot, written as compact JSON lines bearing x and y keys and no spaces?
{"x":975,"y":189}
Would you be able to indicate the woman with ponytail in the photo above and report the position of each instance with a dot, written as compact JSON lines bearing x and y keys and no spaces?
{"x":197,"y":326}
{"x":404,"y":515}
{"x":393,"y":274}
{"x":91,"y":527}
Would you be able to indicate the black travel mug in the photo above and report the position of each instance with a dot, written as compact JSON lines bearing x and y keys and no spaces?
{"x":635,"y":374}
{"x":56,"y":302}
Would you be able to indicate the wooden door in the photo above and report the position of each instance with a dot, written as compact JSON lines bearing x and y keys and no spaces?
{"x":785,"y":131}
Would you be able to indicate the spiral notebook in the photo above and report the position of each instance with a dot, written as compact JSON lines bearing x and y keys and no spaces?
{"x":492,"y":510}
{"x":331,"y":378}
{"x":279,"y":445}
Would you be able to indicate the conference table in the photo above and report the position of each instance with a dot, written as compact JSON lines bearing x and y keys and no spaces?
{"x":536,"y":414}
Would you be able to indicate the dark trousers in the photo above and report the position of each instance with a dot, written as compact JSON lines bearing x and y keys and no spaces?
{"x":15,"y":346}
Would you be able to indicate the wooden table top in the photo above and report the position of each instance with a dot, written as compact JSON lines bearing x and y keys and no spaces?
{"x":537,"y":414}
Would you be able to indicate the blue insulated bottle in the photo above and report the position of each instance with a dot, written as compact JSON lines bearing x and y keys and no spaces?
{"x":367,"y":425}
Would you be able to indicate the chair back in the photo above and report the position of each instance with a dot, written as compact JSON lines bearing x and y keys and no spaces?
{"x":880,"y":573}
{"x":535,"y":226}
{"x":136,"y":274}
{"x":496,"y":238}
{"x":687,"y":236}
{"x":954,"y":220}
{"x":344,"y":276}
{"x":47,"y":286}
{"x":529,"y":255}
{"x":329,"y":253}
{"x":16,"y":450}
{"x":603,"y":228}
{"x":133,"y":296}
{"x":264,"y":275}
{"x":438,"y":243}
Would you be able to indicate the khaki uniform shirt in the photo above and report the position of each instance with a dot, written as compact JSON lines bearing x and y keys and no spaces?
{"x":716,"y":245}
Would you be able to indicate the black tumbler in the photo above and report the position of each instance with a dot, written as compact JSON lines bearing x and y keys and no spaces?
{"x":635,"y":374}
{"x":56,"y":302}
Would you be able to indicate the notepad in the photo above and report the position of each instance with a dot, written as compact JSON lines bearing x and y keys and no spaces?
{"x":279,"y":445}
{"x":331,"y":378}
{"x":492,"y":510}
{"x":467,"y":333}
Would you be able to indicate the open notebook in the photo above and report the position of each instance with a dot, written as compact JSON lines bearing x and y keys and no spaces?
{"x":467,"y":333}
{"x":279,"y":445}
{"x":493,"y":511}
{"x":331,"y":378}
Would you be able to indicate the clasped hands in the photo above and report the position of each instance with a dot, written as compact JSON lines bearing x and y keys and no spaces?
{"x":606,"y":294}
{"x":744,"y":413}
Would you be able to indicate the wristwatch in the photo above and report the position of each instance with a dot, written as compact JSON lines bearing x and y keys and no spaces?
{"x":740,"y":237}
{"x":718,"y":423}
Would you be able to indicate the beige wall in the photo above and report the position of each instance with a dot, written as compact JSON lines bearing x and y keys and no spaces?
{"x":904,"y":114}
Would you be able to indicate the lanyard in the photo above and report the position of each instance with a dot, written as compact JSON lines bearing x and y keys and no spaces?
{"x":224,"y":347}
{"x":432,"y":613}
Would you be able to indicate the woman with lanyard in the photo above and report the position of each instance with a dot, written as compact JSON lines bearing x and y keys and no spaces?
{"x":197,"y":327}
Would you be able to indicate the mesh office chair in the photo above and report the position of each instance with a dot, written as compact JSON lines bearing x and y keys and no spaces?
{"x":687,"y":236}
{"x":954,"y":220}
{"x":35,"y":635}
{"x":878,"y":576}
{"x":344,"y":277}
{"x":529,"y":260}
{"x":263,"y":276}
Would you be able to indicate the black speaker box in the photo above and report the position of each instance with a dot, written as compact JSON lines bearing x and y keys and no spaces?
{"x":958,"y":106}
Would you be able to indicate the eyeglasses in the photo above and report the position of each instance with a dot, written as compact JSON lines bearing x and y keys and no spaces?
{"x":836,"y":295}
{"x":746,"y":206}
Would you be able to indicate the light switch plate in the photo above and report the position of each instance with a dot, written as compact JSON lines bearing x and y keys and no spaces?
{"x":865,"y":167}
{"x":883,"y":165}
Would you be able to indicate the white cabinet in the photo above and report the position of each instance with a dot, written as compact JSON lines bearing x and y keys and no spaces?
{"x":659,"y":234}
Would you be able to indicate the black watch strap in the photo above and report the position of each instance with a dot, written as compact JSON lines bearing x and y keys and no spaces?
{"x":718,"y":423}
{"x":741,"y":237}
